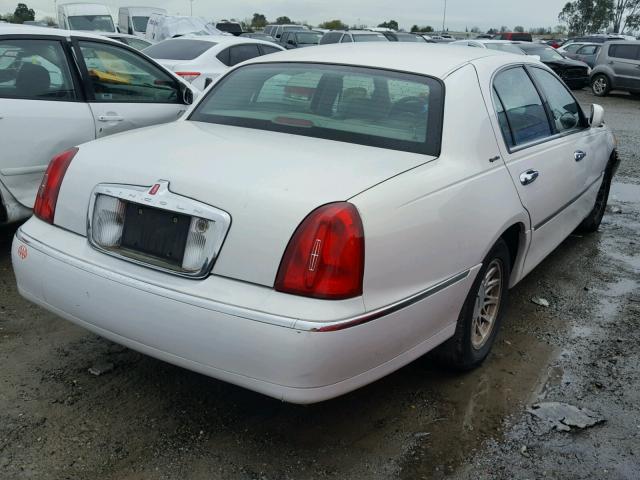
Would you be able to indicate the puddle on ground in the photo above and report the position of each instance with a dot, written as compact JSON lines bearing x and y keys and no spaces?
{"x":625,"y":192}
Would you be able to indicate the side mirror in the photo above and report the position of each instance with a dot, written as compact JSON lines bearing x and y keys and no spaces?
{"x":291,"y":42}
{"x":278,"y":35}
{"x":187,"y":94}
{"x":597,"y":116}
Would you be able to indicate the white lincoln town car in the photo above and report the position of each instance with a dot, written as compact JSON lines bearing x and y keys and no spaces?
{"x":321,"y":217}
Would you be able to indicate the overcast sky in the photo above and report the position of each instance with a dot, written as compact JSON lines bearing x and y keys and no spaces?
{"x":460,"y":13}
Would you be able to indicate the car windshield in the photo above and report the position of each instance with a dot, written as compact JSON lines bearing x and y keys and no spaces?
{"x":505,"y":47}
{"x":546,"y":54}
{"x":92,"y":23}
{"x":350,"y":104}
{"x":374,"y":37}
{"x":308,"y":38}
{"x":140,"y":24}
{"x":178,"y":49}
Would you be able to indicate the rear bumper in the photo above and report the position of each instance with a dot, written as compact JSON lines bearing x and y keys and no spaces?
{"x":298,"y":365}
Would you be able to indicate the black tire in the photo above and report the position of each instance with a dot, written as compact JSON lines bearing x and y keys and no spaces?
{"x":459,"y":352}
{"x":600,"y":85}
{"x":593,"y":220}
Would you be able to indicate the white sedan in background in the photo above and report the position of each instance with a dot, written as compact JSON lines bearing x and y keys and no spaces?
{"x":321,"y":217}
{"x":61,"y":88}
{"x":202,"y":59}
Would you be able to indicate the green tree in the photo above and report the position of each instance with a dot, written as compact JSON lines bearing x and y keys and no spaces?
{"x":333,"y":25}
{"x":415,"y":29}
{"x":23,"y":13}
{"x":587,"y":16}
{"x":258,"y":21}
{"x":626,"y":14}
{"x":475,"y":29}
{"x":504,"y":29}
{"x":392,"y":24}
{"x":283,"y":20}
{"x":518,"y":28}
{"x":492,"y":31}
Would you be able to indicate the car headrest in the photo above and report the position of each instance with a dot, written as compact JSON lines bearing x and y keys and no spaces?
{"x":32,"y":80}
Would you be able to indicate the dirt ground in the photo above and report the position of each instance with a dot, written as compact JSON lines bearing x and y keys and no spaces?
{"x":149,"y":420}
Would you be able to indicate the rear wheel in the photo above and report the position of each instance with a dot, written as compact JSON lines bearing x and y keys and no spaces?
{"x":600,"y":85}
{"x":593,"y":220}
{"x":481,"y":313}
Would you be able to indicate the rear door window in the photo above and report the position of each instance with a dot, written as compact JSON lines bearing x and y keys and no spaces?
{"x":588,"y":50}
{"x":240,"y":53}
{"x":522,"y":106}
{"x":118,"y":75}
{"x":346,"y":39}
{"x":626,"y":52}
{"x":331,"y":37}
{"x":357,"y":105}
{"x":266,"y":49}
{"x":35,"y":70}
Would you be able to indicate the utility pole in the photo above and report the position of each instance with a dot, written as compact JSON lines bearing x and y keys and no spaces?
{"x":191,"y":2}
{"x":444,"y":16}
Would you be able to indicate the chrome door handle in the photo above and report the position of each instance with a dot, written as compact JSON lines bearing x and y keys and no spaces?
{"x":579,"y":155}
{"x":529,"y":177}
{"x":110,"y":118}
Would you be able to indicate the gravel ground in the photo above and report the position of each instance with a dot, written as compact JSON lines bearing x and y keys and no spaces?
{"x":143,"y":419}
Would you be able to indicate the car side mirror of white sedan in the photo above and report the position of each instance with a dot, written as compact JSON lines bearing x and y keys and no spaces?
{"x":597,"y":115}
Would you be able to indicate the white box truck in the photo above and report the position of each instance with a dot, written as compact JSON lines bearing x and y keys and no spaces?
{"x":90,"y":17}
{"x":133,"y":20}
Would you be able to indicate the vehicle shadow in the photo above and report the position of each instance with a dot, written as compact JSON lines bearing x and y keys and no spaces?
{"x":6,"y":237}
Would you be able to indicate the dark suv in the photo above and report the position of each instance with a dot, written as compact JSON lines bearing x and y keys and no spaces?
{"x":617,"y":67}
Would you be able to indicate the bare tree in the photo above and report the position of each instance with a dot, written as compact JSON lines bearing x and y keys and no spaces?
{"x":626,"y":13}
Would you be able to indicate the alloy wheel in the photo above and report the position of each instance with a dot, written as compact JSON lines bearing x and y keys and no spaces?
{"x":487,"y":305}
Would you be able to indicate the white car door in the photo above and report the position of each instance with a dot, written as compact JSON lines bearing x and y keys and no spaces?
{"x":125,"y":89}
{"x":545,"y":138}
{"x":42,"y":111}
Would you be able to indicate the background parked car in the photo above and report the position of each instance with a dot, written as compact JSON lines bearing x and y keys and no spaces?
{"x":514,"y":36}
{"x":88,"y":17}
{"x":574,"y":73}
{"x":593,"y":39}
{"x":45,"y":108}
{"x":201,"y":59}
{"x":233,"y":28}
{"x":617,"y":68}
{"x":403,"y":37}
{"x":131,"y":40}
{"x":573,"y":47}
{"x":280,"y":29}
{"x":299,"y":39}
{"x":350,"y":36}
{"x":134,"y":20}
{"x":500,"y":45}
{"x":586,"y":53}
{"x":258,"y":36}
{"x":161,"y":27}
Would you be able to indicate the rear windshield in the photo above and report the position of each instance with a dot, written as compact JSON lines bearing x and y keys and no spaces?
{"x":140,"y":24}
{"x":374,"y":37}
{"x":92,"y":23}
{"x":178,"y":49}
{"x":366,"y":106}
{"x":308,"y":38}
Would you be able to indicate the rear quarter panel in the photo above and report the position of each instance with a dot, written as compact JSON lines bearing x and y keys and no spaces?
{"x":441,"y":218}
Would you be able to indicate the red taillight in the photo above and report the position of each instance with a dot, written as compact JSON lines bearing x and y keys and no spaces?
{"x":189,"y":76}
{"x":47,"y":197}
{"x":325,"y":257}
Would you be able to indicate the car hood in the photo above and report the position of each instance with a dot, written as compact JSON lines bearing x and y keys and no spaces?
{"x":268,"y":182}
{"x":566,"y":62}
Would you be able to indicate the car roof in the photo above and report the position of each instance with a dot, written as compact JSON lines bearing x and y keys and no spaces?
{"x":436,"y":60}
{"x":53,"y":32}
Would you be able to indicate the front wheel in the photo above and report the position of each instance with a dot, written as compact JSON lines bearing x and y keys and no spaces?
{"x":600,"y":85}
{"x":481,"y":313}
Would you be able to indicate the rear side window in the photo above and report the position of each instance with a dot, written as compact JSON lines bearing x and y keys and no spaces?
{"x":346,"y":39}
{"x":35,"y":70}
{"x":573,"y":48}
{"x":357,"y":105}
{"x":266,"y":49}
{"x":588,"y":50}
{"x":331,"y":37}
{"x":627,"y":52}
{"x":178,"y":49}
{"x":240,"y":53}
{"x":523,"y":110}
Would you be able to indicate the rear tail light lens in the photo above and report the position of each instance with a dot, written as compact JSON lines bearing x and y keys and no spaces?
{"x":47,"y":197}
{"x":189,"y":76}
{"x":325,"y":257}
